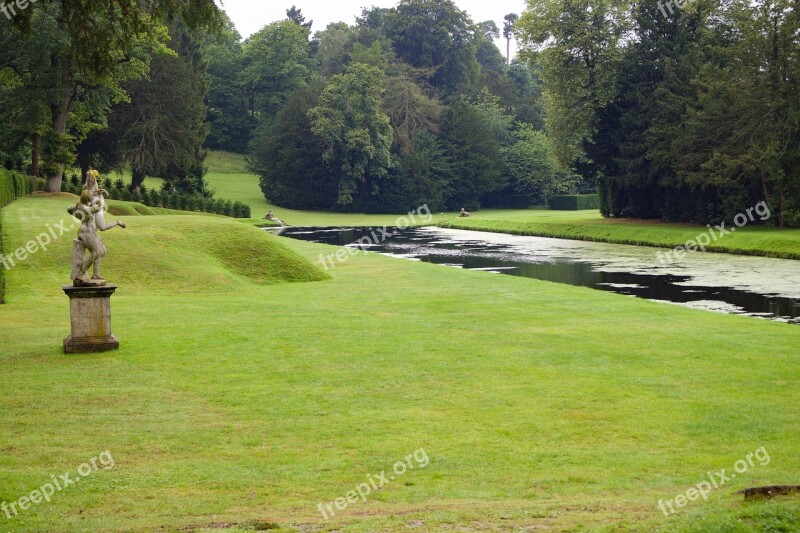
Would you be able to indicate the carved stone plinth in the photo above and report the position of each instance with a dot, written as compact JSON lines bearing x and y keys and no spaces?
{"x":90,"y":318}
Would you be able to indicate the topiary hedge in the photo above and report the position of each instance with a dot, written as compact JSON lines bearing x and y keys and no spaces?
{"x":167,"y":199}
{"x":12,"y":185}
{"x":574,"y":202}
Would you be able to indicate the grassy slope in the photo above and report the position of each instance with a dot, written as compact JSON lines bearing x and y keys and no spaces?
{"x":231,"y":402}
{"x":232,"y":181}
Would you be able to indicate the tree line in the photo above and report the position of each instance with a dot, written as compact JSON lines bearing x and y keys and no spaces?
{"x":410,"y":105}
{"x":684,"y":111}
{"x":106,"y":83}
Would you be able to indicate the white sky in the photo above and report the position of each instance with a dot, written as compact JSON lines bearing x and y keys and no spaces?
{"x":252,"y":15}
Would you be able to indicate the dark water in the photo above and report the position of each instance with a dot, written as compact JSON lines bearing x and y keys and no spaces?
{"x":760,"y":287}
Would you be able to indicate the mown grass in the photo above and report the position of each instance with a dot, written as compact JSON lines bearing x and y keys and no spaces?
{"x":587,"y":225}
{"x":238,"y":400}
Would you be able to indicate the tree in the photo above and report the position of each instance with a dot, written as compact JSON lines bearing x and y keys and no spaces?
{"x":532,"y":167}
{"x":96,"y":45}
{"x":508,"y":33}
{"x":357,"y":134}
{"x":62,"y":104}
{"x":163,"y":128}
{"x":410,"y":111}
{"x":489,"y":30}
{"x":474,"y":134}
{"x":335,"y":45}
{"x":296,"y":16}
{"x":435,"y":34}
{"x":26,"y":88}
{"x":289,"y":157}
{"x":430,"y":170}
{"x":742,"y":135}
{"x":229,"y":119}
{"x":489,"y":57}
{"x":577,"y":47}
{"x":276,"y":62}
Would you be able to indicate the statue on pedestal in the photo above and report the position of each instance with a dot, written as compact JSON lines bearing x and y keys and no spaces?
{"x":90,"y":212}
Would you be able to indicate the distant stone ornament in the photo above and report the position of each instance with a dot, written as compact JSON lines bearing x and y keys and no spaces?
{"x":90,"y":298}
{"x":90,"y":212}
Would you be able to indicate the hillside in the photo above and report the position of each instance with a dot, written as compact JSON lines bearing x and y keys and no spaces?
{"x":185,"y":253}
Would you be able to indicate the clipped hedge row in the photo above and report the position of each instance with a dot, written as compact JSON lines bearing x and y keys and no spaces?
{"x":169,"y":200}
{"x":12,"y":185}
{"x":574,"y":202}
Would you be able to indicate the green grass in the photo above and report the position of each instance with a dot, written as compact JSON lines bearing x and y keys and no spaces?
{"x":239,"y":399}
{"x":589,"y":225}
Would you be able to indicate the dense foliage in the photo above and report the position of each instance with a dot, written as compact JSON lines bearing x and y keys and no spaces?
{"x":66,"y":67}
{"x":411,"y":105}
{"x":574,"y":202}
{"x":687,"y":113}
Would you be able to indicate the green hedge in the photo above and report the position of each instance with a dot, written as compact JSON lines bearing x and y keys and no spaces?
{"x":170,"y":200}
{"x":12,"y":185}
{"x":574,"y":202}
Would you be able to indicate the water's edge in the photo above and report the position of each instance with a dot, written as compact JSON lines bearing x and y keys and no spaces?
{"x":746,"y":285}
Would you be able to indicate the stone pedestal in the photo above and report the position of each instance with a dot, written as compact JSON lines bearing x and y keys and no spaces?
{"x":90,"y":318}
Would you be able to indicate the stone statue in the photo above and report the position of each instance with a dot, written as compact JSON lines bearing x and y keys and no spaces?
{"x":272,"y":217}
{"x":90,"y":212}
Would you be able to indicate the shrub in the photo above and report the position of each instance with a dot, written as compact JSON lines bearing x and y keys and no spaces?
{"x":574,"y":202}
{"x":154,"y":198}
{"x":12,"y":185}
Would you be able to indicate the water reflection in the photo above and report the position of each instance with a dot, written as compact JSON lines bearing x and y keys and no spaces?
{"x":755,"y":286}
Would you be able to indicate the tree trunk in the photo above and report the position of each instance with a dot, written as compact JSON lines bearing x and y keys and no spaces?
{"x":137,"y":178}
{"x":59,"y":128}
{"x":36,"y":147}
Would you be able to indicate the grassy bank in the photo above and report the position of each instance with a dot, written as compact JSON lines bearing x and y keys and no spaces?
{"x":238,"y":400}
{"x":590,"y":226}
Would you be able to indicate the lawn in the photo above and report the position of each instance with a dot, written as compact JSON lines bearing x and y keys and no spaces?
{"x":229,"y":178}
{"x":245,"y":394}
{"x":589,"y":225}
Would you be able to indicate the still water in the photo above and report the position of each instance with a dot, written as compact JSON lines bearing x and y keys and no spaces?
{"x":754,"y":286}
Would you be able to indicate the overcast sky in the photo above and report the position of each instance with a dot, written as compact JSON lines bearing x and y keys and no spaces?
{"x":252,"y":15}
